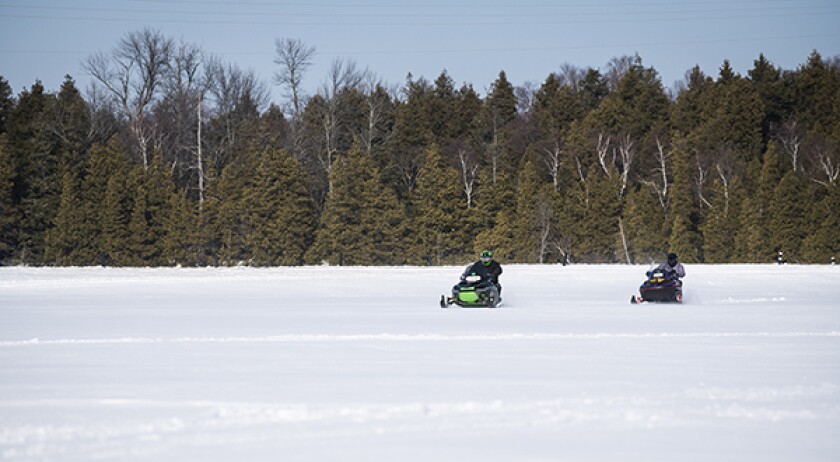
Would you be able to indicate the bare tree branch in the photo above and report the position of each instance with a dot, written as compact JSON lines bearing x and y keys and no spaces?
{"x":294,"y":58}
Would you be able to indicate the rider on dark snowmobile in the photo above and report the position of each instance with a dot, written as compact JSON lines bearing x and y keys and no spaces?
{"x":672,"y":265}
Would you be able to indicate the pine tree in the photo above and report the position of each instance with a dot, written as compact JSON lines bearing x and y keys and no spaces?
{"x":720,"y":227}
{"x":182,"y":236}
{"x":281,"y":216}
{"x":683,"y":212}
{"x":441,"y":225}
{"x":116,"y":215}
{"x":788,"y":225}
{"x":534,"y":228}
{"x":815,"y":89}
{"x":71,"y":240}
{"x":225,"y":211}
{"x":823,"y":244}
{"x":37,"y":184}
{"x":363,"y":223}
{"x":72,"y":125}
{"x":9,"y":217}
{"x":146,"y":227}
{"x":767,"y":81}
{"x":7,"y":103}
{"x":598,"y":231}
{"x":644,"y":222}
{"x":105,"y":162}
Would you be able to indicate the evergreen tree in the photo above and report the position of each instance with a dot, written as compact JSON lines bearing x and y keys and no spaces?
{"x":37,"y":185}
{"x":683,"y":211}
{"x":823,"y":244}
{"x":225,"y":211}
{"x":500,"y":108}
{"x":687,"y":111}
{"x":71,"y":122}
{"x":441,"y":226}
{"x":645,"y":226}
{"x":788,"y":225}
{"x":534,"y":228}
{"x":182,"y":236}
{"x":732,"y":118}
{"x":753,"y":242}
{"x":815,"y":90}
{"x":116,"y":215}
{"x":719,"y":229}
{"x":363,"y":223}
{"x":7,"y":103}
{"x":9,"y":218}
{"x":281,"y":216}
{"x":767,"y":82}
{"x":71,"y":240}
{"x":147,"y":225}
{"x":598,"y":238}
{"x":105,"y":162}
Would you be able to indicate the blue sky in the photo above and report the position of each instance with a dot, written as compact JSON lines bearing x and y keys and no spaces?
{"x":471,"y":40}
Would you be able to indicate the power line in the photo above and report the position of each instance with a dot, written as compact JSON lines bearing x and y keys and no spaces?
{"x":491,"y":50}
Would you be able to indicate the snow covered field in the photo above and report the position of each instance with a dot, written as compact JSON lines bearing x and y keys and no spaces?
{"x":360,"y":364}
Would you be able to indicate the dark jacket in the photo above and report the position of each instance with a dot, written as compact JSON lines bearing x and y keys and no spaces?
{"x":490,"y":272}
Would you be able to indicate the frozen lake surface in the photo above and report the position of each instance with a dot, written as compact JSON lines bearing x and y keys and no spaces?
{"x":361,"y":364}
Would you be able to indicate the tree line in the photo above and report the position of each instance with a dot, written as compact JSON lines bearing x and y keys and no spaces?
{"x":174,"y":157}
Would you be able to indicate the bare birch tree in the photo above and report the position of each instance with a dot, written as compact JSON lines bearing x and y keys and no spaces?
{"x":725,"y":166}
{"x":571,"y":76}
{"x":343,"y":75}
{"x":553,"y":158}
{"x":602,"y":149}
{"x":824,"y":161}
{"x":236,"y":95}
{"x":660,"y":181}
{"x":294,"y":58}
{"x":378,"y":101}
{"x":627,"y":153}
{"x":133,"y":73}
{"x":790,"y":136}
{"x":468,"y":167}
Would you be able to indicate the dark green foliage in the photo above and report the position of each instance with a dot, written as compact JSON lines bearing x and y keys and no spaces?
{"x":788,"y":217}
{"x":73,"y":238}
{"x":7,"y":103}
{"x":9,"y":217}
{"x":721,"y":225}
{"x":824,"y":242}
{"x":645,"y":226}
{"x":683,"y":210}
{"x":149,"y":214}
{"x":36,"y":155}
{"x":598,"y":238}
{"x":363,"y":223}
{"x":441,"y":223}
{"x":586,"y":169}
{"x":279,"y":213}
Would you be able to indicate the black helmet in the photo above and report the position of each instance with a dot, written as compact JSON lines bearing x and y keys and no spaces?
{"x":672,"y":259}
{"x":486,"y":257}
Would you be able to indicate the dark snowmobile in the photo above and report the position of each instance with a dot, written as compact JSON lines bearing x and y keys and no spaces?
{"x":472,"y":292}
{"x":660,"y":286}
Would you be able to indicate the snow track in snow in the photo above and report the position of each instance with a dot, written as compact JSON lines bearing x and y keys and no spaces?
{"x":326,"y":338}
